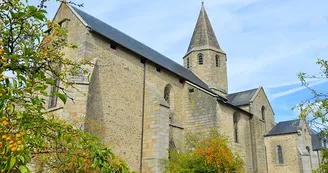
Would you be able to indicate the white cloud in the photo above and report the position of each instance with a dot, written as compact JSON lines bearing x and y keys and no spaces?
{"x":294,"y":90}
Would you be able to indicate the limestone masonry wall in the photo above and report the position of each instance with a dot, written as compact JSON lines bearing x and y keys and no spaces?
{"x":289,"y":151}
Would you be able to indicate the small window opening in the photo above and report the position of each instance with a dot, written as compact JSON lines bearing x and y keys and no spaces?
{"x":235,"y":126}
{"x":280,"y":156}
{"x":158,"y":69}
{"x":167,"y":92}
{"x":217,"y":61}
{"x":54,"y":88}
{"x":113,"y":46}
{"x":263,"y":112}
{"x":187,"y":62}
{"x":200,"y":59}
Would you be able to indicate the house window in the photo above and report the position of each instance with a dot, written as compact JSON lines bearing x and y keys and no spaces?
{"x":235,"y":126}
{"x":280,"y":156}
{"x":263,"y":112}
{"x":187,"y":62}
{"x":200,"y":59}
{"x":217,"y":61}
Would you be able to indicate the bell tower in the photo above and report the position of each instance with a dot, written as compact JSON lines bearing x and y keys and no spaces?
{"x":205,"y":57}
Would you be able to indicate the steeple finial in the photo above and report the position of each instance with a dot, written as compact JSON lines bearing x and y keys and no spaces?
{"x":203,"y":3}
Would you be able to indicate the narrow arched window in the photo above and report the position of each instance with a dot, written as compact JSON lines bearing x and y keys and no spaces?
{"x":235,"y":126}
{"x":263,"y":112}
{"x":280,"y":156}
{"x":217,"y":61}
{"x":200,"y":59}
{"x":167,"y":92}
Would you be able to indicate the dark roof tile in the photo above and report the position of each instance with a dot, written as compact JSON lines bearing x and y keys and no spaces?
{"x":284,"y":127}
{"x":241,"y":98}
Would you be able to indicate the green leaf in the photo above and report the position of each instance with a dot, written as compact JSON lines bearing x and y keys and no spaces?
{"x":62,"y":97}
{"x":12,"y":162}
{"x":23,"y":169}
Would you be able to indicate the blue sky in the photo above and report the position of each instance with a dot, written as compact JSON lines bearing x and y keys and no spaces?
{"x":268,"y":42}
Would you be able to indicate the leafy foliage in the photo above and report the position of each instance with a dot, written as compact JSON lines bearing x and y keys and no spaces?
{"x":315,"y":109}
{"x":204,"y":153}
{"x":30,"y":137}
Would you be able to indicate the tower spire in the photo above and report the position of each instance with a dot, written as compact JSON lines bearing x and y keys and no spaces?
{"x":203,"y":36}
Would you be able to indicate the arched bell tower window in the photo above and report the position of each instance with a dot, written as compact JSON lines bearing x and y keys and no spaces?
{"x":200,"y":59}
{"x":279,"y":154}
{"x":263,"y":112}
{"x":235,"y":126}
{"x":217,"y":60}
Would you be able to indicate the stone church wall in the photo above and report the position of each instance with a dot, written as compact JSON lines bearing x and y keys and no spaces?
{"x":260,"y":127}
{"x":202,"y":114}
{"x":291,"y":162}
{"x":226,"y":127}
{"x":115,"y":99}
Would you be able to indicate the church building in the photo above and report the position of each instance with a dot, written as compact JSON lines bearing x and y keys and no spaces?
{"x":141,"y":103}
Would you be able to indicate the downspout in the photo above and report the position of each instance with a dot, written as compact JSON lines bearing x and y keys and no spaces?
{"x":318,"y":154}
{"x":143,"y":112}
{"x":252,"y":138}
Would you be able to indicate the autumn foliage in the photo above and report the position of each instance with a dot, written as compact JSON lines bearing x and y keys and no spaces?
{"x":204,"y":153}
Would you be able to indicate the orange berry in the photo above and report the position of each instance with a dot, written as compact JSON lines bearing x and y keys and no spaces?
{"x":11,"y":145}
{"x":19,"y":149}
{"x":11,"y":142}
{"x":4,"y":137}
{"x":8,"y":138}
{"x":14,"y":149}
{"x":18,"y":135}
{"x":19,"y":142}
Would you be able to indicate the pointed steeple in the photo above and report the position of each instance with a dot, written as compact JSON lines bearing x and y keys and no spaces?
{"x":203,"y":36}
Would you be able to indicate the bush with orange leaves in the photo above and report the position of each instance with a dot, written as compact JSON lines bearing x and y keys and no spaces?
{"x":204,"y":153}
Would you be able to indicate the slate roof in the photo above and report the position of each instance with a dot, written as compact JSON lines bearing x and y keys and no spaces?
{"x":241,"y":98}
{"x":284,"y":127}
{"x":316,"y":142}
{"x":203,"y":36}
{"x":139,"y":48}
